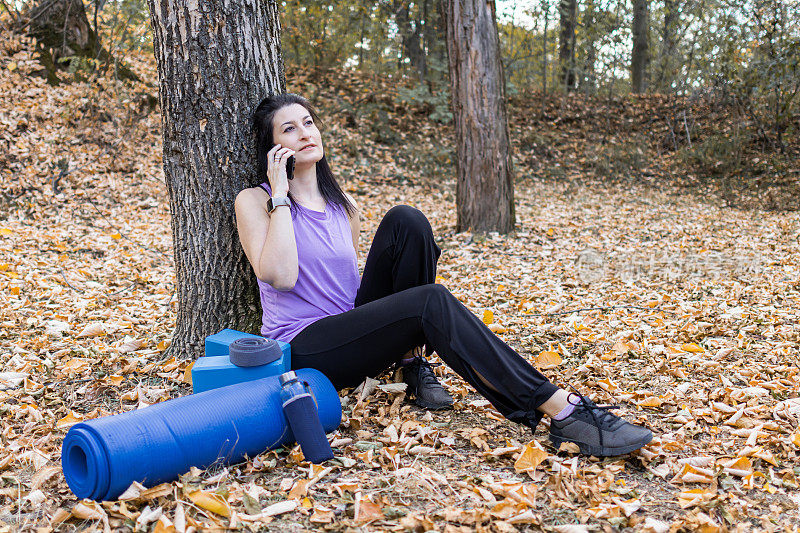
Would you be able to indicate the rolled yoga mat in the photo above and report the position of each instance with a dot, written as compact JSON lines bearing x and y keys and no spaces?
{"x":102,"y":457}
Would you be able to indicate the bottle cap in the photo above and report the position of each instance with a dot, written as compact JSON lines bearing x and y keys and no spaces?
{"x":287,"y":377}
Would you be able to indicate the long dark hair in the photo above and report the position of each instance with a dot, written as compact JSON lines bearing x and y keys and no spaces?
{"x":262,"y":123}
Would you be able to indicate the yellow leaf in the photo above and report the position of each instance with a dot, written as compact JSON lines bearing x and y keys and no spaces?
{"x":210,"y":502}
{"x":508,"y":508}
{"x":70,"y":420}
{"x":15,"y":291}
{"x":547,"y":359}
{"x":795,"y":438}
{"x":115,"y":380}
{"x":12,"y":66}
{"x":741,"y":467}
{"x":164,"y":525}
{"x":3,"y":267}
{"x":116,"y":236}
{"x":163,"y":345}
{"x":187,"y":373}
{"x":691,"y":474}
{"x":651,"y":401}
{"x":488,"y":317}
{"x":691,"y":347}
{"x":76,"y":364}
{"x":550,"y":232}
{"x":692,"y":497}
{"x":532,"y":456}
{"x":299,"y":489}
{"x":306,"y":503}
{"x":341,"y":488}
{"x":607,"y":385}
{"x":5,"y":231}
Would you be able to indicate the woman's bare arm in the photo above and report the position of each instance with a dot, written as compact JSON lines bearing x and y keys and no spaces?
{"x":268,"y":240}
{"x":355,"y":222}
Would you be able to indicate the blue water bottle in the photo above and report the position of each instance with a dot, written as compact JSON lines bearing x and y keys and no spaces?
{"x":300,"y":409}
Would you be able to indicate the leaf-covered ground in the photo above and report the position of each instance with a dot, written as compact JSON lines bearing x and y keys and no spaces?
{"x":655,"y":298}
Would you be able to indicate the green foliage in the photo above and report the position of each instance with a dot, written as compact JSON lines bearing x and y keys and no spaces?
{"x":618,"y":160}
{"x":384,"y":36}
{"x":717,"y":155}
{"x":437,"y":103}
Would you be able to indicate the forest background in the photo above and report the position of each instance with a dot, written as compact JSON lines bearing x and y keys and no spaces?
{"x":655,"y":146}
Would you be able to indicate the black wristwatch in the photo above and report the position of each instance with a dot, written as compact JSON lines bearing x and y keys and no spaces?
{"x":276,"y":201}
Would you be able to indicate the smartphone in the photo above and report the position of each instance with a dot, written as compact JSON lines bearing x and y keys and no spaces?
{"x":290,"y":167}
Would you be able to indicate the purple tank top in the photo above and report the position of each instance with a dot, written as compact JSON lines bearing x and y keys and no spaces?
{"x":327,"y":278}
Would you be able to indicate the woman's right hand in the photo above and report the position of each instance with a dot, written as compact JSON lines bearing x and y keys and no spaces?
{"x":276,"y":169}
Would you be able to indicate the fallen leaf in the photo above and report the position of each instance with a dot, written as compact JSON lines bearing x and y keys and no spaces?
{"x":532,"y":456}
{"x":210,"y":502}
{"x":95,"y":329}
{"x":367,"y":511}
{"x":547,"y":359}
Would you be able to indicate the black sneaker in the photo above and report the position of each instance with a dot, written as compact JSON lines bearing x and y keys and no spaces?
{"x":422,"y":383}
{"x":598,"y":432}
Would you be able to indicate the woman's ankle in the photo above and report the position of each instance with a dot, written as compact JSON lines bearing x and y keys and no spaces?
{"x":555,"y":404}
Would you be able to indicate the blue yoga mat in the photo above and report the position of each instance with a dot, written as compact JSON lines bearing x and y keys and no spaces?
{"x":102,"y":457}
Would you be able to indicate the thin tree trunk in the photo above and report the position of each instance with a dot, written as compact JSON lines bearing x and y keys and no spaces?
{"x":640,"y":56}
{"x":544,"y":48}
{"x":62,"y":29}
{"x":668,"y":38}
{"x":568,"y":12}
{"x":485,"y":178}
{"x":590,"y":31}
{"x":214,"y":66}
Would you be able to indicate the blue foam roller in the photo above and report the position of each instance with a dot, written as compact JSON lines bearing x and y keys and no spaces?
{"x":102,"y":457}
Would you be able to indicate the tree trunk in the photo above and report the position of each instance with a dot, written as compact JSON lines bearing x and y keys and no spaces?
{"x":411,"y":38}
{"x":666,"y":75}
{"x":590,"y":40}
{"x":640,"y":56}
{"x":62,"y":30}
{"x":485,"y":178}
{"x":546,"y":4}
{"x":568,"y":12}
{"x":214,"y":66}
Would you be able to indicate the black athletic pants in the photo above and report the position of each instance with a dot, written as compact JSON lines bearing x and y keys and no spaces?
{"x":399,"y":307}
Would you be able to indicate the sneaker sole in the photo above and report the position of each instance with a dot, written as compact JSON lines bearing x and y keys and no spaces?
{"x":602,"y":451}
{"x":432,"y":406}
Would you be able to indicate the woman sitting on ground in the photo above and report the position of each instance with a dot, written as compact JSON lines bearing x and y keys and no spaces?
{"x":301,"y":238}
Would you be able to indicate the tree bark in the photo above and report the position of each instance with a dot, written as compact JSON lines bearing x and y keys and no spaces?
{"x":640,"y":56}
{"x":485,"y":177}
{"x":216,"y":61}
{"x":546,"y":4}
{"x":568,"y":13}
{"x":410,"y":35}
{"x":62,"y":30}
{"x":668,"y":38}
{"x":590,"y":42}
